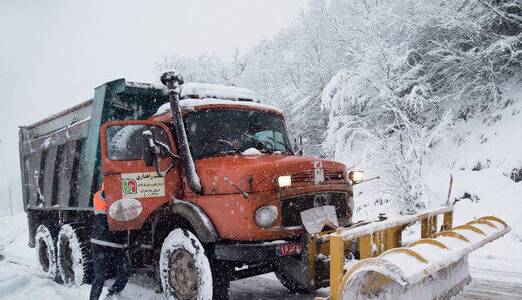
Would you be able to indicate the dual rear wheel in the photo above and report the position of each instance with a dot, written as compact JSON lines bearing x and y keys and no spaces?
{"x":64,"y":256}
{"x":185,"y":269}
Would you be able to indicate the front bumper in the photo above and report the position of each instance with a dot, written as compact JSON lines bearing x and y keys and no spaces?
{"x":251,"y":252}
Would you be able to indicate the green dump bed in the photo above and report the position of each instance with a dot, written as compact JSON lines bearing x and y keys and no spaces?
{"x":60,"y":155}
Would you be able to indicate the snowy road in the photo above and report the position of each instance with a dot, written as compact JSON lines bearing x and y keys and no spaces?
{"x":496,"y":271}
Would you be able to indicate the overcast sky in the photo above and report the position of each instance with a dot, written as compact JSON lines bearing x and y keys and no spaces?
{"x":53,"y":53}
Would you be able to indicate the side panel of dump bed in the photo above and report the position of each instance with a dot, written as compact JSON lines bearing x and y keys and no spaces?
{"x":50,"y":158}
{"x":60,"y":155}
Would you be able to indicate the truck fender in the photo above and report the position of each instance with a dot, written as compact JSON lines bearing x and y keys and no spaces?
{"x":199,"y":220}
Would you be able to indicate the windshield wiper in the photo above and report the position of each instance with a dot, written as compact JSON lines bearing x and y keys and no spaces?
{"x":260,"y":142}
{"x":224,"y":142}
{"x":288,"y":148}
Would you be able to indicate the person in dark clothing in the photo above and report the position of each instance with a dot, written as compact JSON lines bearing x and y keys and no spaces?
{"x":108,"y":251}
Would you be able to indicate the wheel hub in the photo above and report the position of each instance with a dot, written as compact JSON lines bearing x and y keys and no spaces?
{"x":43,"y":255}
{"x":183,"y":275}
{"x":66,"y":260}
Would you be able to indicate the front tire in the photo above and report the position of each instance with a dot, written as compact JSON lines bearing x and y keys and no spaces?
{"x":185,"y":270}
{"x":292,"y":284}
{"x":74,"y":257}
{"x":45,"y":246}
{"x":292,"y":273}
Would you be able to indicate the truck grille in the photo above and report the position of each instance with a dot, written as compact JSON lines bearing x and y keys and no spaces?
{"x":308,"y":176}
{"x":291,"y":208}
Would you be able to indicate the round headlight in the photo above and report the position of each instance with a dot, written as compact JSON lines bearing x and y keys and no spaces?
{"x":265,"y":216}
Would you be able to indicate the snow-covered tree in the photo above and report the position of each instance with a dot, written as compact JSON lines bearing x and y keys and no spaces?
{"x":414,"y":67}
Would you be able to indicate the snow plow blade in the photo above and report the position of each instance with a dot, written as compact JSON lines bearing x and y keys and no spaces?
{"x":433,"y":267}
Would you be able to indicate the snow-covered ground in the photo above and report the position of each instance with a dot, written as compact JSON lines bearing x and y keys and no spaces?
{"x":496,"y":271}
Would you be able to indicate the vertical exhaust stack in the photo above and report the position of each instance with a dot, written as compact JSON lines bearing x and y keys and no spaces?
{"x":173,"y":81}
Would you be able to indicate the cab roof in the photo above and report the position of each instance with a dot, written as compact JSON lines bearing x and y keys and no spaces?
{"x":193,"y":90}
{"x":196,"y":96}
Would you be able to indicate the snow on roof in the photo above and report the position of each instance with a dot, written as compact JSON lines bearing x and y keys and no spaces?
{"x":143,"y":85}
{"x":195,"y":94}
{"x":191,"y":103}
{"x":206,"y":90}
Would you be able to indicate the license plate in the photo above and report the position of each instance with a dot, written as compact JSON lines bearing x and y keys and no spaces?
{"x":288,"y":249}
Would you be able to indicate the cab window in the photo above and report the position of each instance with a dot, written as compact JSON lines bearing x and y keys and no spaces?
{"x":272,"y":137}
{"x":124,"y":142}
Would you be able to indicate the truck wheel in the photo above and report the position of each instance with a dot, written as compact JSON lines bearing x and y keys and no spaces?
{"x":293,"y":272}
{"x":292,"y":284}
{"x":74,"y":257}
{"x":45,"y":246}
{"x":185,"y":269}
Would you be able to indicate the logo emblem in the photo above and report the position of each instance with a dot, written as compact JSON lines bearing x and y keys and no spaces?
{"x":129,"y":186}
{"x":320,"y":200}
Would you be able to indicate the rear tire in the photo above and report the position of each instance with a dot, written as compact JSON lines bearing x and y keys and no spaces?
{"x":45,"y":246}
{"x":185,"y":270}
{"x":74,"y":256}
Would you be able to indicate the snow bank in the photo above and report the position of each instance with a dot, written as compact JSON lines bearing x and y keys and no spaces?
{"x":13,"y":240}
{"x":481,"y":155}
{"x":17,"y":282}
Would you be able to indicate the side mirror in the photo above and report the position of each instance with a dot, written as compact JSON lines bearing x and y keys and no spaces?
{"x":147,"y":145}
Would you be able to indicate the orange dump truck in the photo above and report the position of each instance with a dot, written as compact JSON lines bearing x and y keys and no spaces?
{"x":203,"y":178}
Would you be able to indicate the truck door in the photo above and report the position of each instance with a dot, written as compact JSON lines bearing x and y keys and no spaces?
{"x":134,"y":190}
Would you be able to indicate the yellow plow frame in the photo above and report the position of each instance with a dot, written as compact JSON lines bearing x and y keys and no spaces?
{"x":433,"y":267}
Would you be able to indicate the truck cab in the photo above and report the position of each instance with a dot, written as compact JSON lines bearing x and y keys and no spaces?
{"x":253,"y":185}
{"x":244,"y":160}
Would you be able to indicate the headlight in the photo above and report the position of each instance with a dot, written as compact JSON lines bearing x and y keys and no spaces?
{"x":265,"y":216}
{"x":284,"y":181}
{"x":356,"y":176}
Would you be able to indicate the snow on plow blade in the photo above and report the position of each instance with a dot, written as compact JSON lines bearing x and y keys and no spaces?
{"x":429,"y":268}
{"x":433,"y":267}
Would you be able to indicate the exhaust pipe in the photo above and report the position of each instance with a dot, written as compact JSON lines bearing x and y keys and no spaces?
{"x":173,"y":82}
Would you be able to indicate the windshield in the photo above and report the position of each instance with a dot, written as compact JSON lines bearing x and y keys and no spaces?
{"x":217,"y":132}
